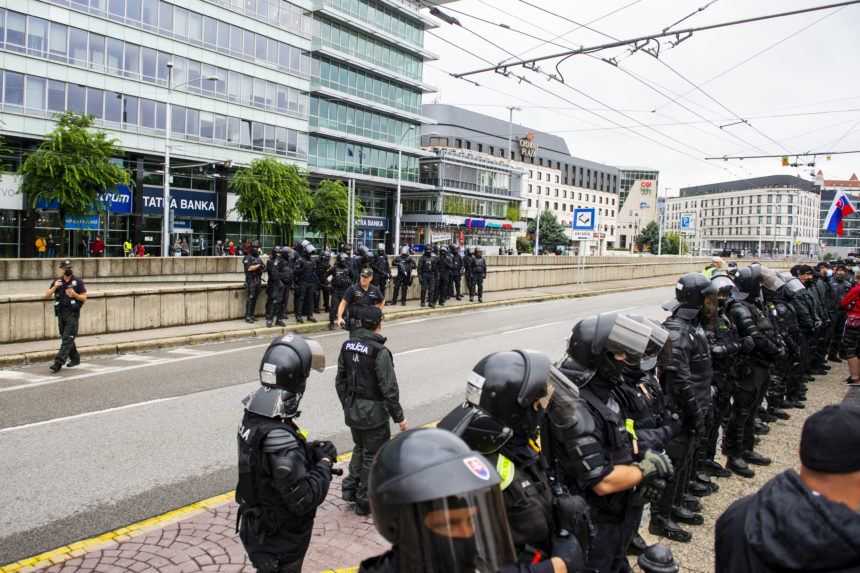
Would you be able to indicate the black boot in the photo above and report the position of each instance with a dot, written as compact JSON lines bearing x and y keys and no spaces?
{"x":740,"y":467}
{"x":698,"y":489}
{"x":684,"y":515}
{"x":761,"y":428}
{"x":766,"y":416}
{"x":714,"y":469}
{"x":706,"y":481}
{"x":777,"y":413}
{"x":280,"y":323}
{"x":55,"y":367}
{"x":692,"y":503}
{"x":637,"y":545}
{"x":756,"y":458}
{"x":665,"y":527}
{"x":793,"y":403}
{"x":73,"y":362}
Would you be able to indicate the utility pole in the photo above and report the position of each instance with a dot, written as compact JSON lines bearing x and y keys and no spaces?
{"x":511,"y":110}
{"x":537,"y":231}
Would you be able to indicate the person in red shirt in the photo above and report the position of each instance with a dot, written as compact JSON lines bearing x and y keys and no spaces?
{"x":97,"y":247}
{"x":140,"y":251}
{"x":232,"y":249}
{"x":851,"y":335}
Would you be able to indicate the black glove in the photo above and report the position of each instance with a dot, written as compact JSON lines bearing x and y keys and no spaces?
{"x":652,"y":490}
{"x":568,"y":549}
{"x":324,"y":449}
{"x":748,"y":344}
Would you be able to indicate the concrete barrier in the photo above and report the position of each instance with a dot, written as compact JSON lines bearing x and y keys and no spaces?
{"x":28,"y":317}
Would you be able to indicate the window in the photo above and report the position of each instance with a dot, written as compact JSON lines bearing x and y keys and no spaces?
{"x":114,"y":55}
{"x":206,"y":125}
{"x":35,"y":93}
{"x":95,"y":102}
{"x":149,"y":13}
{"x":13,"y":89}
{"x":195,"y":28}
{"x":56,"y":96}
{"x":148,"y":64}
{"x":147,"y":113}
{"x":129,"y":110}
{"x":117,"y":9}
{"x":180,"y":22}
{"x":76,"y":97}
{"x":97,"y":51}
{"x":177,"y":119}
{"x":58,"y":42}
{"x":113,"y":107}
{"x":132,"y":10}
{"x":210,"y":32}
{"x":220,"y":130}
{"x":233,"y":124}
{"x":16,"y":26}
{"x":165,"y":17}
{"x":192,"y":123}
{"x":132,"y":60}
{"x":37,"y":37}
{"x":245,"y":133}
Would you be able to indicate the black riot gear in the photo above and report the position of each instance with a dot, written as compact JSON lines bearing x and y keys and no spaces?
{"x":423,"y":483}
{"x":288,"y":361}
{"x":593,"y":339}
{"x":691,"y":293}
{"x":748,"y":280}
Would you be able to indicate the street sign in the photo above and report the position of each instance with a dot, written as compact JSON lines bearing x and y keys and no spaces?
{"x":687,"y":223}
{"x":583,"y":235}
{"x":584,"y":219}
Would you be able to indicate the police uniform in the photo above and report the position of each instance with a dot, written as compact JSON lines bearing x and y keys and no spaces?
{"x":274,"y":287}
{"x":323,"y":266}
{"x":367,"y":388}
{"x":341,"y":280}
{"x":355,"y":296}
{"x":428,"y":276}
{"x":381,"y":271}
{"x":478,"y":273}
{"x":68,"y":313}
{"x":405,"y":265}
{"x":306,"y":282}
{"x":444,"y":266}
{"x":253,"y":281}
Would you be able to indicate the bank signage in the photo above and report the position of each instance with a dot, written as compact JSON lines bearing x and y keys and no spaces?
{"x":528,"y":147}
{"x":116,"y":200}
{"x":645,"y":187}
{"x":81,"y":223}
{"x":184,"y":202}
{"x":373,"y":223}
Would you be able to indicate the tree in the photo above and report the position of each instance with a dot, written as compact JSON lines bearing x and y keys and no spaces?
{"x":524,"y":245}
{"x":71,"y":167}
{"x":672,"y":244}
{"x":551,"y":232}
{"x":648,"y":237}
{"x":329,"y":210}
{"x":270,"y":192}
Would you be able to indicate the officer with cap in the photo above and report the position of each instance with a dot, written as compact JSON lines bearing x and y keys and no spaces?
{"x":404,"y":265}
{"x":506,"y":397}
{"x":253,"y":265}
{"x":591,"y":443}
{"x":282,"y":477}
{"x":363,"y":293}
{"x":367,"y":388}
{"x":428,"y":276}
{"x":439,"y":505}
{"x":69,"y":294}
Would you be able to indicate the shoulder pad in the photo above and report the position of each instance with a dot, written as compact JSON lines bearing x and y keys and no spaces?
{"x":279,"y":439}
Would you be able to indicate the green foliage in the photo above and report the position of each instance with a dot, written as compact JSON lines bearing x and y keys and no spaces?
{"x":524,"y":245}
{"x":329,"y":211}
{"x":513,"y":212}
{"x":551,"y":232}
{"x":674,"y":245}
{"x":271,"y":192}
{"x":648,"y":237}
{"x":72,"y":166}
{"x":828,"y":257}
{"x":455,"y":205}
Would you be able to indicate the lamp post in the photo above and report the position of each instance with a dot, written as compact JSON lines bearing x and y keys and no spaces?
{"x":397,"y":197}
{"x":511,"y":110}
{"x":165,"y":222}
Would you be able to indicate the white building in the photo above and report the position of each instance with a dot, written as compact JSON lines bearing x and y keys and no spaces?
{"x":774,"y":215}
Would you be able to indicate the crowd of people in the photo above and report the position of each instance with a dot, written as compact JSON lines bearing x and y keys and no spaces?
{"x":548,"y":467}
{"x":330,"y":283}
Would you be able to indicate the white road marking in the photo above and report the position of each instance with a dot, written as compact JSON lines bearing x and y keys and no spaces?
{"x":140,"y":358}
{"x":412,"y":351}
{"x":95,"y":368}
{"x":190,"y":351}
{"x":536,"y":326}
{"x":85,"y":415}
{"x":21,"y":375}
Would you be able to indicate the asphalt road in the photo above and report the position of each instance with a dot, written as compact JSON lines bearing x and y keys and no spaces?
{"x":123,"y":438}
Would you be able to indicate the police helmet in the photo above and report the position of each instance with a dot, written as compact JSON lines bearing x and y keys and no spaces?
{"x":288,"y":361}
{"x":404,"y":250}
{"x":380,"y":249}
{"x":428,"y":247}
{"x":481,"y":432}
{"x":749,"y":281}
{"x":691,"y":291}
{"x":507,"y":384}
{"x":342,"y":258}
{"x":656,"y":342}
{"x":771,"y":280}
{"x":364,"y":251}
{"x":443,"y":249}
{"x":592,"y":338}
{"x":439,"y":503}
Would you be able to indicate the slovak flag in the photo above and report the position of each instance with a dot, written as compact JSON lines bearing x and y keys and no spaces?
{"x":839,"y":209}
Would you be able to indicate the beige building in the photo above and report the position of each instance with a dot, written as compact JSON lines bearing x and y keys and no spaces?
{"x":639,"y":209}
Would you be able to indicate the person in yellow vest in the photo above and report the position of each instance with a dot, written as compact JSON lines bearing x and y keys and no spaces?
{"x":126,"y":248}
{"x":717,"y":264}
{"x":41,"y":246}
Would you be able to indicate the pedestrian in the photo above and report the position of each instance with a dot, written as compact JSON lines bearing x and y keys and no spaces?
{"x":204,"y":247}
{"x":141,"y":250}
{"x":127,"y":248}
{"x":283,"y":478}
{"x":404,"y":265}
{"x":340,"y":280}
{"x":52,"y":246}
{"x":444,"y":265}
{"x":253,"y":266}
{"x":219,"y":248}
{"x":381,"y":269}
{"x":183,"y":247}
{"x":479,"y":273}
{"x":716,"y":264}
{"x":85,"y":245}
{"x":362,"y":293}
{"x":231,"y":249}
{"x":41,"y":246}
{"x":97,"y":247}
{"x":367,"y":388}
{"x":246,"y":247}
{"x":177,"y":248}
{"x":69,"y":294}
{"x":851,"y":336}
{"x":806,"y":521}
{"x":439,"y":505}
{"x":427,"y":276}
{"x":467,"y":271}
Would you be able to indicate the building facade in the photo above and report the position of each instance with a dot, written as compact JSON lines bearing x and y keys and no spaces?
{"x":552,"y":180}
{"x":849,"y":242}
{"x":630,"y":175}
{"x":332,"y":86}
{"x":763,"y":216}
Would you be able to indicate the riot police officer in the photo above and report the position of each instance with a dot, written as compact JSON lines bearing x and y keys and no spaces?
{"x":275,"y":270}
{"x":404,"y":265}
{"x":467,"y":271}
{"x":478,"y":274}
{"x":69,"y":294}
{"x":367,"y":388}
{"x":381,"y":269}
{"x":323,"y":267}
{"x":513,"y":390}
{"x":445,"y":265}
{"x":687,"y":374}
{"x":282,"y":477}
{"x":439,"y":505}
{"x":306,"y":281}
{"x":254,"y":267}
{"x":427,"y":275}
{"x":591,"y":444}
{"x":341,"y":280}
{"x":456,"y":272}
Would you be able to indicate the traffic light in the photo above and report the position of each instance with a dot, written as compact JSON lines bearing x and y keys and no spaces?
{"x":785,"y":162}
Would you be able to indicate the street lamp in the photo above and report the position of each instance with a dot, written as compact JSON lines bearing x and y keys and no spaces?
{"x":511,"y":110}
{"x":165,"y":222}
{"x":397,"y":198}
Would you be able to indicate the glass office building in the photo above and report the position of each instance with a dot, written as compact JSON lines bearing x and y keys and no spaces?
{"x":365,"y":105}
{"x":240,"y":90}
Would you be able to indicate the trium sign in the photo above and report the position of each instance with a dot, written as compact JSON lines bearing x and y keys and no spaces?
{"x":528,"y":147}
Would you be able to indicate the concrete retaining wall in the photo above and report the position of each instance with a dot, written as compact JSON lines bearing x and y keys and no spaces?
{"x":30,"y":317}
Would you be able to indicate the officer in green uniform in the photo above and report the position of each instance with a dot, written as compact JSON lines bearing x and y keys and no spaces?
{"x":69,"y":294}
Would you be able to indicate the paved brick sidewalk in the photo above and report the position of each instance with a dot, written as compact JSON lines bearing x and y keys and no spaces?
{"x":205,"y":541}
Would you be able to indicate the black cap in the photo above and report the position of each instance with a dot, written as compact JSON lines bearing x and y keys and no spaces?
{"x":66,"y":264}
{"x":366,"y":272}
{"x":830,"y":441}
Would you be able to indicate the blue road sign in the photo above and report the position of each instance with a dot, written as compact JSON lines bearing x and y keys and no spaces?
{"x":584,"y":219}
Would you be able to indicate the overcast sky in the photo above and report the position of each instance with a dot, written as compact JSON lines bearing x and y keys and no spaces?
{"x":815,"y":70}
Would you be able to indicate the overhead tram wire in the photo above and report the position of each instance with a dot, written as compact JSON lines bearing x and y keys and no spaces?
{"x":650,"y":85}
{"x":804,"y":154}
{"x":583,"y":108}
{"x":676,"y":33}
{"x":682,"y":77}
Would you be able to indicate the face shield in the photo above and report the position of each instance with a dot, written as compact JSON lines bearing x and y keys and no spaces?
{"x":458,"y":534}
{"x":794,"y":286}
{"x":771,"y":280}
{"x":659,"y":337}
{"x":317,"y":355}
{"x":627,"y":337}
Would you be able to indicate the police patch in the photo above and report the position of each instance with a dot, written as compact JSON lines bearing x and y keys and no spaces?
{"x":478,"y":468}
{"x":269,"y":367}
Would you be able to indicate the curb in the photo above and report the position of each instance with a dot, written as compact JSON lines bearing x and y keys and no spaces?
{"x":209,"y":337}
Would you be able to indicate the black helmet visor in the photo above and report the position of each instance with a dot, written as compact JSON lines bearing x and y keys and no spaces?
{"x":462,"y":534}
{"x":628,"y":336}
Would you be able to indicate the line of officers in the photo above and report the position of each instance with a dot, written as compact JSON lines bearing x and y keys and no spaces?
{"x":548,"y":467}
{"x":318,"y":283}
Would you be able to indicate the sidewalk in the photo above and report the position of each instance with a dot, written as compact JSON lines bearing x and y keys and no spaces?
{"x":132,"y":341}
{"x":201,"y":537}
